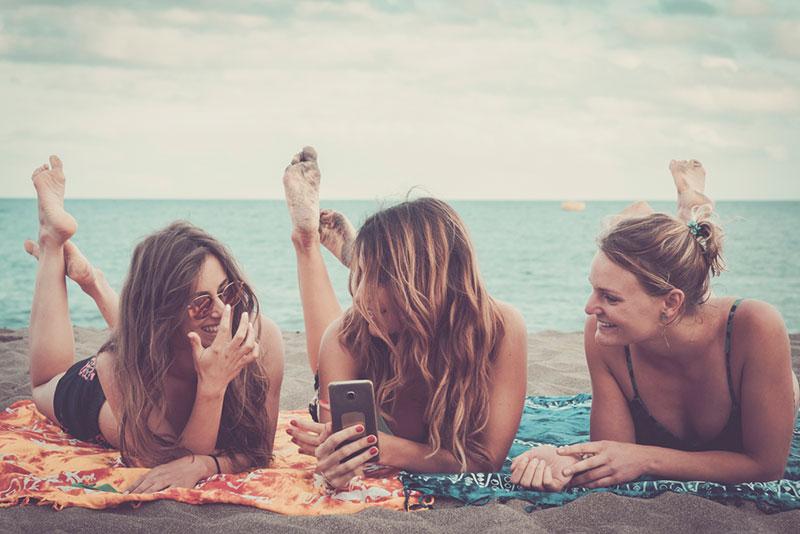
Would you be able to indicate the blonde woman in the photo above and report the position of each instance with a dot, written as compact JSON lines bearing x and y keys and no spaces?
{"x":189,"y":381}
{"x":448,"y":361}
{"x":685,"y":385}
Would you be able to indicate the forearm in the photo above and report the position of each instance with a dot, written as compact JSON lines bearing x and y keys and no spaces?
{"x":716,"y":466}
{"x":413,"y":456}
{"x":201,"y":430}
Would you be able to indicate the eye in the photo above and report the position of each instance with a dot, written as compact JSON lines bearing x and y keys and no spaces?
{"x":610,"y":299}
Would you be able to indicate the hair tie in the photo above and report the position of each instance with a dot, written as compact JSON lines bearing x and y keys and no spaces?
{"x":696,"y":231}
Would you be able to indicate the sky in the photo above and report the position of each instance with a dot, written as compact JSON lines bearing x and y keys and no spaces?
{"x":548,"y":100}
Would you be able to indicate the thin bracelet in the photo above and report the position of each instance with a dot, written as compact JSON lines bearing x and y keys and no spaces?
{"x":216,"y":462}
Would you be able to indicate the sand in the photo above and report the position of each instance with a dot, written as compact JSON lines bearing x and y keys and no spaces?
{"x":555,"y":367}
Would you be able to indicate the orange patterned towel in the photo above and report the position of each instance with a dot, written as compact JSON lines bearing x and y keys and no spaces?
{"x":39,"y":462}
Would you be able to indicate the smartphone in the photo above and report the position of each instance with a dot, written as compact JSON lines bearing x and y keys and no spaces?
{"x":352,"y":403}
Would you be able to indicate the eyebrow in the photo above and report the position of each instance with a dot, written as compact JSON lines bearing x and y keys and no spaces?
{"x":604,"y":289}
{"x":220,"y":286}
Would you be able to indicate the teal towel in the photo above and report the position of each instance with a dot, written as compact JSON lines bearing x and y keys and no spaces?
{"x":565,"y":420}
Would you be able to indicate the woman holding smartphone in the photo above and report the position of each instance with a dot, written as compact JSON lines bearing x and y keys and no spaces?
{"x":448,"y":362}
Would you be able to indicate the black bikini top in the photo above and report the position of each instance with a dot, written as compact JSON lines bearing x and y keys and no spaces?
{"x":650,"y":432}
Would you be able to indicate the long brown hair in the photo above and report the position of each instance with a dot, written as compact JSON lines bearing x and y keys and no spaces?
{"x":153,"y":304}
{"x":419,"y":252}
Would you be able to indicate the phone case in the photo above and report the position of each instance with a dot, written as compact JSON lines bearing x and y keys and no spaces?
{"x":353,"y":402}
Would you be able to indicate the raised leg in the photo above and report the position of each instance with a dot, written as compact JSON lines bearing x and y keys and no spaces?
{"x":91,"y":280}
{"x":690,"y":182}
{"x":52,"y":346}
{"x":320,"y":306}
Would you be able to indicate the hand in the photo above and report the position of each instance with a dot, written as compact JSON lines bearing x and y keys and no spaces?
{"x":184,"y":472}
{"x":541,"y":469}
{"x":317,"y":439}
{"x":608,"y":463}
{"x":220,"y":362}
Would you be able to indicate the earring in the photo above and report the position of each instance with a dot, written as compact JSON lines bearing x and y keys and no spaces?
{"x":664,"y":318}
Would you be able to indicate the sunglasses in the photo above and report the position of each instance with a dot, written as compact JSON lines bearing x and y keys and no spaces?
{"x":200,"y":307}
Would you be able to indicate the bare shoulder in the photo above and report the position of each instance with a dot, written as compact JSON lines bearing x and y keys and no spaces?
{"x":514,"y":345}
{"x":271,"y":342}
{"x":335,"y":361}
{"x":759,"y":331}
{"x":513,"y":320}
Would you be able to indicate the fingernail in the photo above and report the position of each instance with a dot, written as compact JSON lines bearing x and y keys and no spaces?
{"x":289,"y":431}
{"x":359,"y":428}
{"x":293,"y":422}
{"x":372,"y":439}
{"x":373,"y":451}
{"x":567,"y":472}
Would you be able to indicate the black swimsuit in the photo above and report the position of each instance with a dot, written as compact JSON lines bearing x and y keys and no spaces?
{"x":77,"y":402}
{"x":650,"y":432}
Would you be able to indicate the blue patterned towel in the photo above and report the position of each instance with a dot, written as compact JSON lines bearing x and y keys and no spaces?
{"x":565,"y":420}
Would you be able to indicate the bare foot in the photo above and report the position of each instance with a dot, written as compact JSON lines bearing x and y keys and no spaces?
{"x":637,"y":209}
{"x":690,"y":181}
{"x":337,"y":234}
{"x":55,"y":224}
{"x":78,"y":267}
{"x":301,"y":186}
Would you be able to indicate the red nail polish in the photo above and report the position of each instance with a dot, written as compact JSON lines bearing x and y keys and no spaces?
{"x":289,"y":431}
{"x":293,"y":422}
{"x":359,"y":428}
{"x":373,"y":451}
{"x":372,"y":439}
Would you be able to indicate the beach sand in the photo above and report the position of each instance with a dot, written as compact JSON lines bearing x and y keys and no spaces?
{"x":555,"y":367}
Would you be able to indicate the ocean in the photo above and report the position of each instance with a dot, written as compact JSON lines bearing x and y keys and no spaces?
{"x":531,"y":253}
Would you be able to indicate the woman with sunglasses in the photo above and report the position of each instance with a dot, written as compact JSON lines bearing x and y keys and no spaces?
{"x":189,"y":380}
{"x":447,"y":361}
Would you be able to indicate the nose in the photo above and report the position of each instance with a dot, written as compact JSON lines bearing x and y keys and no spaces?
{"x":218,"y":306}
{"x":592,"y":305}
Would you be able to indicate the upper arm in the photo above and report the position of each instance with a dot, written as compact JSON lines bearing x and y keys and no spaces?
{"x":509,"y":380}
{"x":761,"y":342}
{"x":611,"y":417}
{"x":335,"y":363}
{"x":271,"y":343}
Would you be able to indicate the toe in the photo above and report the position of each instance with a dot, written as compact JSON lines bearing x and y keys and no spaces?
{"x":55,"y":162}
{"x":31,"y":248}
{"x":39,"y":169}
{"x":308,"y":154}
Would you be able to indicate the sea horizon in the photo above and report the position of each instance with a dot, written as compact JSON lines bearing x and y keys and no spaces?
{"x":532,"y":254}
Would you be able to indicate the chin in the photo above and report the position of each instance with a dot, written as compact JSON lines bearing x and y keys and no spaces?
{"x":609,"y":336}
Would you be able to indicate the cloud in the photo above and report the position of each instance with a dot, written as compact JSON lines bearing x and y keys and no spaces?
{"x":724,"y":63}
{"x":777,"y":152}
{"x":787,"y":39}
{"x":477,"y":100}
{"x":686,"y":7}
{"x":749,"y":8}
{"x":722,"y":99}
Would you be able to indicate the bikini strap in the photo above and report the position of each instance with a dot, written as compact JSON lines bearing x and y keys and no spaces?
{"x":728,"y":335}
{"x":630,"y":371}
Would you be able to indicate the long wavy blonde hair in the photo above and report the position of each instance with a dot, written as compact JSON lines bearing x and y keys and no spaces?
{"x":153,"y":304}
{"x":420,"y":253}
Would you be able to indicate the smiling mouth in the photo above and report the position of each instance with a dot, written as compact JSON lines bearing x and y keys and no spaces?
{"x":210,"y":329}
{"x":604,"y":324}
